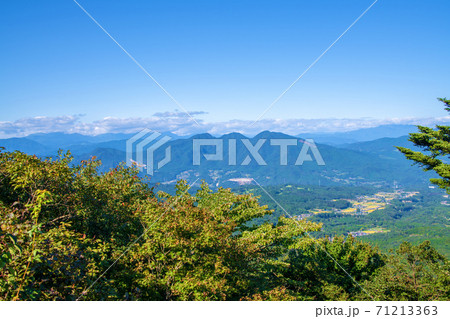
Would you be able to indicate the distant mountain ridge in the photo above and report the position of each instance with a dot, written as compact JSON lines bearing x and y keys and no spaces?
{"x":361,"y":135}
{"x":47,"y":144}
{"x":383,"y":147}
{"x":364,"y":163}
{"x":25,"y":145}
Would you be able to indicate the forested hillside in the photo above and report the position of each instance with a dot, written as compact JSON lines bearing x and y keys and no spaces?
{"x":69,"y":232}
{"x":423,"y":216}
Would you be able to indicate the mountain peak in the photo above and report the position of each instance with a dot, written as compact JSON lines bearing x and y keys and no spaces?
{"x":269,"y":135}
{"x":234,"y":135}
{"x":201,"y":136}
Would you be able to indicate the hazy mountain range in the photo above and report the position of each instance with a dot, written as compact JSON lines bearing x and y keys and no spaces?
{"x":361,"y":135}
{"x":49,"y":143}
{"x":372,"y":159}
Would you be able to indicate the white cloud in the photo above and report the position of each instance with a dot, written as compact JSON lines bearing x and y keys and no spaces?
{"x":39,"y":124}
{"x":181,"y":124}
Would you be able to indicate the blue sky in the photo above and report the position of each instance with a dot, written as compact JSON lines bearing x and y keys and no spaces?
{"x":227,"y":60}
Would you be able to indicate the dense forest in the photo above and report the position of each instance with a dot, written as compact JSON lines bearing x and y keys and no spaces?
{"x":70,"y":232}
{"x":421,"y":217}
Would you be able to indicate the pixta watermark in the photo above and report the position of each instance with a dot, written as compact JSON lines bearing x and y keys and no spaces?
{"x":141,"y":149}
{"x":147,"y":141}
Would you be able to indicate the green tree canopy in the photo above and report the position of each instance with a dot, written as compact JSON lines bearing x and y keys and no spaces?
{"x":64,"y":225}
{"x":412,"y":273}
{"x":436,"y":146}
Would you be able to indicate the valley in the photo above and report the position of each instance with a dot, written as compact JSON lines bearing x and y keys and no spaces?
{"x":382,"y":217}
